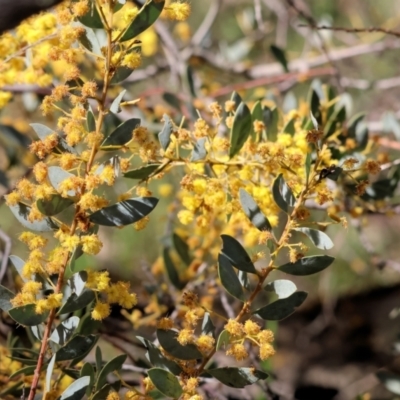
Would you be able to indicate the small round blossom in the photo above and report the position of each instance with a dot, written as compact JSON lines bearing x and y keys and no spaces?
{"x":100,"y":311}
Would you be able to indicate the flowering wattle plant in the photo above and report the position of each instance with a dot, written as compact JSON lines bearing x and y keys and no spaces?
{"x":251,"y":177}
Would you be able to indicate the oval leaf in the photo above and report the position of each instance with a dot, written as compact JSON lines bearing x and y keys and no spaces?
{"x":271,"y":121}
{"x":121,"y":135}
{"x":146,"y":17}
{"x":54,"y":205}
{"x":307,"y":265}
{"x":207,"y":326}
{"x":282,"y":194}
{"x":229,"y":279}
{"x":19,"y":265}
{"x":253,"y":211}
{"x":21,"y":212}
{"x":172,"y":270}
{"x":142,"y":172}
{"x":318,"y":238}
{"x":199,"y":150}
{"x":223,"y":339}
{"x":125,"y":212}
{"x":5,"y":298}
{"x":76,"y":390}
{"x":75,"y":302}
{"x":115,"y":105}
{"x":281,"y":308}
{"x":113,"y":365}
{"x":57,"y":175}
{"x":181,"y":248}
{"x":237,"y":377}
{"x":26,"y":315}
{"x":165,"y":135}
{"x":281,"y":287}
{"x":165,"y":382}
{"x":168,"y":341}
{"x":280,"y":56}
{"x":76,"y":347}
{"x":236,"y":254}
{"x":241,"y":129}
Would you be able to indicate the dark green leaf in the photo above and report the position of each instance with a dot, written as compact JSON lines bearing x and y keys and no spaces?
{"x":229,"y":279}
{"x":207,"y":327}
{"x":76,"y":390}
{"x":353,"y":124}
{"x":27,"y":371}
{"x":5,"y":297}
{"x":90,"y":41}
{"x":120,"y":74}
{"x":64,"y":331}
{"x":190,"y":81}
{"x":21,"y":212}
{"x":172,"y":270}
{"x":318,"y":238}
{"x":244,"y":279}
{"x":76,"y":347}
{"x":281,"y":287}
{"x":90,"y":121}
{"x":253,"y":211}
{"x":125,"y":212}
{"x":113,"y":365}
{"x":390,"y":380}
{"x":223,"y":339}
{"x":236,"y":254}
{"x":54,"y":205}
{"x":281,"y":308}
{"x":172,"y":100}
{"x":157,"y":359}
{"x":142,"y":172}
{"x":75,"y":302}
{"x":106,"y":389}
{"x":308,"y":165}
{"x":181,"y":248}
{"x":307,"y":265}
{"x":271,"y":120}
{"x":26,"y":315}
{"x":99,"y":359}
{"x":165,"y":382}
{"x":115,"y":105}
{"x":241,"y":129}
{"x":237,"y":377}
{"x":165,"y":135}
{"x":57,"y":175}
{"x":315,"y":111}
{"x":282,"y":194}
{"x":88,"y":370}
{"x":335,"y":121}
{"x":168,"y":341}
{"x":199,"y":150}
{"x":237,"y":99}
{"x":289,"y":127}
{"x":256,"y":115}
{"x":148,"y":14}
{"x":121,"y":135}
{"x":280,"y":56}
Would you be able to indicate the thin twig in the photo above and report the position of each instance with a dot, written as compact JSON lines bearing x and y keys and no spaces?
{"x":207,"y":23}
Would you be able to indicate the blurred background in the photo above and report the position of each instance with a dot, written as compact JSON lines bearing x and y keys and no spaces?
{"x":348,"y":327}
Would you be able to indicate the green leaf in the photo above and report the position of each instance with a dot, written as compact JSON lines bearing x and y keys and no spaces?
{"x":54,"y":205}
{"x":157,"y":359}
{"x":283,"y":288}
{"x":49,"y":373}
{"x":77,"y":302}
{"x":26,"y":315}
{"x":76,"y":390}
{"x":237,"y":99}
{"x":165,"y":135}
{"x":142,"y":173}
{"x":146,"y":17}
{"x":125,"y":212}
{"x":237,"y":377}
{"x":223,"y":339}
{"x":236,"y":254}
{"x":106,"y":389}
{"x":335,"y":121}
{"x":172,"y":100}
{"x":99,"y":358}
{"x":168,"y":341}
{"x":282,"y":194}
{"x":90,"y":121}
{"x":172,"y":270}
{"x":314,"y":121}
{"x":281,"y":308}
{"x":280,"y":56}
{"x":5,"y":297}
{"x":76,"y":347}
{"x":199,"y":150}
{"x":253,"y":211}
{"x":27,"y":371}
{"x":256,"y":115}
{"x":120,"y":74}
{"x":353,"y":123}
{"x":165,"y":382}
{"x":229,"y":279}
{"x":121,"y":135}
{"x":307,"y":265}
{"x":65,"y":330}
{"x":271,"y":121}
{"x":315,"y":111}
{"x":289,"y":127}
{"x":241,"y":129}
{"x":113,"y":365}
{"x":390,"y":380}
{"x":90,"y":41}
{"x":88,"y":370}
{"x":181,"y":248}
{"x":318,"y":238}
{"x":115,"y":105}
{"x":308,"y":166}
{"x":21,"y":212}
{"x":56,"y":176}
{"x":207,"y":326}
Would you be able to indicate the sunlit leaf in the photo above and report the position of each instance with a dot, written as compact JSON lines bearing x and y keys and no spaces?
{"x":307,"y":265}
{"x":253,"y":211}
{"x":318,"y":238}
{"x":21,"y":212}
{"x":115,"y":105}
{"x":65,"y":330}
{"x":165,"y":135}
{"x":56,"y":176}
{"x":165,"y":382}
{"x":125,"y":212}
{"x":237,"y":377}
{"x":199,"y":150}
{"x":281,"y":308}
{"x":229,"y":279}
{"x":207,"y":326}
{"x":223,"y":340}
{"x":241,"y":129}
{"x":49,"y":373}
{"x":76,"y":390}
{"x":282,"y":288}
{"x":236,"y":254}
